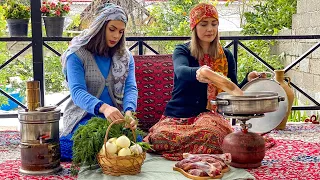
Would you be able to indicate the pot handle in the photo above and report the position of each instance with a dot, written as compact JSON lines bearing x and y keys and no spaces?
{"x":288,"y":79}
{"x":219,"y":102}
{"x":281,"y":98}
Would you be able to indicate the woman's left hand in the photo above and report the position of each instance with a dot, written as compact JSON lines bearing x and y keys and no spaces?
{"x":200,"y":77}
{"x":254,"y":74}
{"x":133,"y":124}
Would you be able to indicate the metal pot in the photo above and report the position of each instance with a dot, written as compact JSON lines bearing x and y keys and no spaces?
{"x":35,"y":124}
{"x":250,"y":103}
{"x":40,"y":145}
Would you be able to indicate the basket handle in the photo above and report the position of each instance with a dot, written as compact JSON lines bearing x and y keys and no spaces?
{"x":108,"y":129}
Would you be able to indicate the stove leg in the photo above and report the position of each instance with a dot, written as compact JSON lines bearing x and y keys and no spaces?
{"x":233,"y":121}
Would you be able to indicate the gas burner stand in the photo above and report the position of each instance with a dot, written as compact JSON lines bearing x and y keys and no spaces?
{"x":247,"y":148}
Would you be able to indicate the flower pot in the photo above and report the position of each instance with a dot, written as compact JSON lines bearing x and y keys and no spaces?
{"x":18,"y":27}
{"x":54,"y":26}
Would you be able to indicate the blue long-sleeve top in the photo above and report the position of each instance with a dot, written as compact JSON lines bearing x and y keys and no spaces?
{"x":90,"y":103}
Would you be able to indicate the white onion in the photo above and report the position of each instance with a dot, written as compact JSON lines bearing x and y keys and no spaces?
{"x":123,"y":141}
{"x":124,"y":152}
{"x":112,"y":140}
{"x":110,"y":147}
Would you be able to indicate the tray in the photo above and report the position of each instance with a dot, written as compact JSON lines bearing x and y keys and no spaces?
{"x":186,"y":174}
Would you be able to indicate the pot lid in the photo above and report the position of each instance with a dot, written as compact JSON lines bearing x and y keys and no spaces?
{"x":272,"y":119}
{"x":41,"y":114}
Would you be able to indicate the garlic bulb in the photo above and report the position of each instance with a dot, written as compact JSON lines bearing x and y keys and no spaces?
{"x":136,"y":149}
{"x":123,"y":141}
{"x":124,"y":152}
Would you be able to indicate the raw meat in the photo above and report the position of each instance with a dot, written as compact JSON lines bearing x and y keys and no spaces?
{"x":197,"y":172}
{"x":208,"y":168}
{"x":204,"y":164}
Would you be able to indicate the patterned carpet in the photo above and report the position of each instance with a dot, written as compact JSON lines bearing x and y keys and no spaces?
{"x":295,"y":155}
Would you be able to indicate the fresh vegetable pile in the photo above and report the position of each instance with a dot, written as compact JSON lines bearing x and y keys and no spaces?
{"x":121,"y":147}
{"x":88,"y":141}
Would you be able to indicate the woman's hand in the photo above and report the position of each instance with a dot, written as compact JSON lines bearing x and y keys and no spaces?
{"x":110,"y":112}
{"x":254,"y":74}
{"x":133,"y":124}
{"x":200,"y":77}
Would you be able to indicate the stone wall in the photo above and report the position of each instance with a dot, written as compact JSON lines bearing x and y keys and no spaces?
{"x":306,"y":74}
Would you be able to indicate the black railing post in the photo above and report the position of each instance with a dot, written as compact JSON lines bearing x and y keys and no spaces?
{"x":140,"y":47}
{"x":37,"y":48}
{"x":235,"y":55}
{"x":235,"y":51}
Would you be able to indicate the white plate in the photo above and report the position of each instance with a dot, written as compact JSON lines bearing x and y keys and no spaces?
{"x":273,"y":119}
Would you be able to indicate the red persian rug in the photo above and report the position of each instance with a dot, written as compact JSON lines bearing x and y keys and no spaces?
{"x":294,"y":153}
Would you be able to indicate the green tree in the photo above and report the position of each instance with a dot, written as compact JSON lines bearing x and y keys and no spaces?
{"x":171,"y":18}
{"x":266,"y":18}
{"x":4,"y":55}
{"x":269,"y":17}
{"x":22,"y":68}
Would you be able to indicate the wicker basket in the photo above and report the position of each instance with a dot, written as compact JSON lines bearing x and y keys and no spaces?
{"x":120,"y":165}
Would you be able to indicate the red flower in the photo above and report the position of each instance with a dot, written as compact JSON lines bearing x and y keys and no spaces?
{"x":58,"y":13}
{"x":52,"y":9}
{"x":66,"y":8}
{"x":43,"y":9}
{"x":53,"y":5}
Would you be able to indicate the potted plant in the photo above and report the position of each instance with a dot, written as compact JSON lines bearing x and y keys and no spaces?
{"x":53,"y":16}
{"x":17,"y":15}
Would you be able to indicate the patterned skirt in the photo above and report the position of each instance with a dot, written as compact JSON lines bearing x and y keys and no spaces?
{"x":203,"y":134}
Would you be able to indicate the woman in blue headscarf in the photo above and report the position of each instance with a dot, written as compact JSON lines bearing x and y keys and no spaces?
{"x":100,"y":74}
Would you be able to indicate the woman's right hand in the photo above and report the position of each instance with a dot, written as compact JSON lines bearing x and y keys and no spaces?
{"x":111,"y":113}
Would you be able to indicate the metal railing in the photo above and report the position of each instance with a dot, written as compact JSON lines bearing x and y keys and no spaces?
{"x":37,"y":42}
{"x":140,"y":42}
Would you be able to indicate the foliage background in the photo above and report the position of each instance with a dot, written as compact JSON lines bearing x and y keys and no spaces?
{"x":22,"y":66}
{"x":265,"y":18}
{"x":171,"y":19}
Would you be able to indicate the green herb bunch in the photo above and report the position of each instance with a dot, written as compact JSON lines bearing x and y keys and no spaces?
{"x":14,"y":9}
{"x":88,"y":140}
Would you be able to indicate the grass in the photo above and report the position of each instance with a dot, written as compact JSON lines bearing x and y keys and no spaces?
{"x":297,"y":116}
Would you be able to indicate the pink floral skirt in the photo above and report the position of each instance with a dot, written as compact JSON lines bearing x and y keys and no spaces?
{"x":203,"y":134}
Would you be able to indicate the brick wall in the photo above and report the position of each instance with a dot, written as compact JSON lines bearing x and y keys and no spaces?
{"x":306,"y":74}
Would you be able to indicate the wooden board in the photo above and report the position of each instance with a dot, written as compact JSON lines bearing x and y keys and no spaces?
{"x":186,"y":174}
